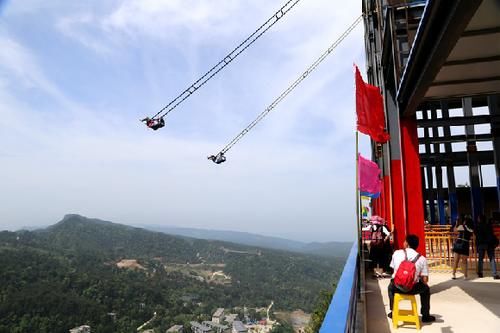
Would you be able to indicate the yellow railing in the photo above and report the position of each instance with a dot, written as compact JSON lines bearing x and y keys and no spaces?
{"x":439,"y":244}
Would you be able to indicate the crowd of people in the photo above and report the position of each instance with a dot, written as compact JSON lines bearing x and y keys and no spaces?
{"x":486,"y":243}
{"x":386,"y":262}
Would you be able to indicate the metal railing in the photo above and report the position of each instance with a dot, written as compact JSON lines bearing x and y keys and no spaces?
{"x":341,"y":314}
{"x":439,"y":242}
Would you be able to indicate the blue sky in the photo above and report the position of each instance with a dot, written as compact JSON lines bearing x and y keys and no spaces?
{"x":76,"y":77}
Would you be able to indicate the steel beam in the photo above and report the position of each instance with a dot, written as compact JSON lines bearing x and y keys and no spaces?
{"x":448,"y":139}
{"x":428,"y":172}
{"x":450,"y":172}
{"x":473,"y":161}
{"x":465,"y":81}
{"x":456,"y":158}
{"x":472,"y":61}
{"x":455,"y":121}
{"x":494,"y":108}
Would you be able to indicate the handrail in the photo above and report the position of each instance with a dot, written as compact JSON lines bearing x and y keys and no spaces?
{"x":341,"y":313}
{"x":439,"y":249}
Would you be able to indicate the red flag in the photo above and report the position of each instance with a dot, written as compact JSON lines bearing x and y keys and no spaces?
{"x":370,"y":110}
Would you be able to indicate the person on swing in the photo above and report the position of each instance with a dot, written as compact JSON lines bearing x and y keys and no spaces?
{"x":217,"y":159}
{"x":154,"y":124}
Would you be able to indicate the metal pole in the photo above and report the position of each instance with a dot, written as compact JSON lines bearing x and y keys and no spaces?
{"x":358,"y":198}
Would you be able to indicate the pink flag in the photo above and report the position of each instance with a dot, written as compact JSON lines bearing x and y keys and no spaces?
{"x":369,"y":180}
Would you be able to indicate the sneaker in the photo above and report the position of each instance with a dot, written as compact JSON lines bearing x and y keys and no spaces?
{"x":428,"y":319}
{"x":389,"y":315}
{"x":479,"y":275}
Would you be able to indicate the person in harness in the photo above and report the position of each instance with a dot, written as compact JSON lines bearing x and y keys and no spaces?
{"x":154,"y":123}
{"x":217,"y":159}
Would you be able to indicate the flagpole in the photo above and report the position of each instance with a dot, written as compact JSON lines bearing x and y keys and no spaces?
{"x":361,"y":255}
{"x":358,"y":198}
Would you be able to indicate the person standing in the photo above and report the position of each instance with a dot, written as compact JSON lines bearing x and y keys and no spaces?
{"x":462,"y":244}
{"x":486,"y":242}
{"x":421,"y":287}
{"x":379,"y":237}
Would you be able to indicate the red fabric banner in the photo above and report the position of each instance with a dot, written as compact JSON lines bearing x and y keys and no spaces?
{"x":370,"y":110}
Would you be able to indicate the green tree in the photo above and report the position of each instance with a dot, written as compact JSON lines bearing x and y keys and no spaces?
{"x":320,"y":310}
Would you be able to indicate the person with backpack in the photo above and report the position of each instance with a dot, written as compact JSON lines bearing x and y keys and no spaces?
{"x":411,"y":276}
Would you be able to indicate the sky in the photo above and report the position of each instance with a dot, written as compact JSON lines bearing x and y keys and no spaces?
{"x":76,"y":77}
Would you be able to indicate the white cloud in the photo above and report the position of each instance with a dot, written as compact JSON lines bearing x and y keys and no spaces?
{"x":18,"y":63}
{"x":164,"y":19}
{"x":76,"y":27}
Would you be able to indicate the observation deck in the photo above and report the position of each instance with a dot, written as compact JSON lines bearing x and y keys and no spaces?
{"x":361,"y":303}
{"x":437,"y":64}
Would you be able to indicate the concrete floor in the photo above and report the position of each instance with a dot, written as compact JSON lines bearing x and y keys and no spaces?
{"x":460,"y":306}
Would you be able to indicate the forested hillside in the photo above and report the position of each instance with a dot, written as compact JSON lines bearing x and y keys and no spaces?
{"x":114,"y":277}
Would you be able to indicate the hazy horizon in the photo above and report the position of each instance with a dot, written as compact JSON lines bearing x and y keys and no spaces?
{"x":204,"y":228}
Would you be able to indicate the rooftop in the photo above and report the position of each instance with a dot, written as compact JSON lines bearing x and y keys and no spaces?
{"x":175,"y":328}
{"x":460,"y":306}
{"x":212,"y":324}
{"x":239,"y":327}
{"x":219,"y":312}
{"x":199,"y":327}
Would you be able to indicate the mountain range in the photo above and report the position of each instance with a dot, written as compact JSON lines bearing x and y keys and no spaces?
{"x":113,"y":277}
{"x":329,"y":249}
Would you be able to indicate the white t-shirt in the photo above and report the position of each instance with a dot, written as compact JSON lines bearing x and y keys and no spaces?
{"x":422,"y":269}
{"x":385,"y":231}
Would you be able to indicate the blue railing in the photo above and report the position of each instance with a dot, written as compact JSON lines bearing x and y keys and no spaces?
{"x":341,"y":314}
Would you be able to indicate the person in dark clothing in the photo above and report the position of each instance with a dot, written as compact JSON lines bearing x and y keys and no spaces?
{"x":217,"y":159}
{"x":154,"y":124}
{"x":380,"y":248}
{"x":486,"y":242}
{"x":461,"y":246}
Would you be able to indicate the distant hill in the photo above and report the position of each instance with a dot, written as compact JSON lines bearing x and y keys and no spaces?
{"x":329,"y":249}
{"x":113,"y":277}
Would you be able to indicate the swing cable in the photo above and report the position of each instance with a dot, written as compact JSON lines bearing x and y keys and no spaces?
{"x":290,"y":88}
{"x":226,"y":60}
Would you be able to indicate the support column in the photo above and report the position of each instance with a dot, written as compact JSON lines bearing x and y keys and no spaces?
{"x":412,"y":180}
{"x":431,"y":195}
{"x":383,"y":199}
{"x":450,"y":172}
{"x":494,"y":107}
{"x":428,"y":170}
{"x":440,"y":195}
{"x":397,"y":190}
{"x":439,"y":173}
{"x":424,"y":191}
{"x":475,"y":183}
{"x":386,"y":186}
